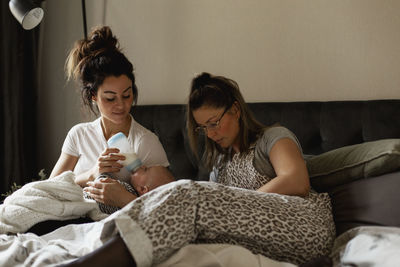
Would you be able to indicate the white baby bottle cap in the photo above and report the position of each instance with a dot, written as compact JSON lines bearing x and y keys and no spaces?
{"x":120,"y":141}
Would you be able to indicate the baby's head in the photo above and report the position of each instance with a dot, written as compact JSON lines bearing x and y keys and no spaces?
{"x":146,"y":179}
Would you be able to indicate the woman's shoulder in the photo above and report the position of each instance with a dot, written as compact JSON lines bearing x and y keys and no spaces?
{"x":139,"y":131}
{"x":85,"y":128}
{"x":80,"y":135}
{"x":273,"y":134}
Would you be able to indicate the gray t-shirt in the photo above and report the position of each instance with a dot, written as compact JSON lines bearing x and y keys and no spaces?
{"x":264,"y":145}
{"x":262,"y":149}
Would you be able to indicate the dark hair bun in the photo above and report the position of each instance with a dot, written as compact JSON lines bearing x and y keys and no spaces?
{"x":201,"y":80}
{"x":101,"y":40}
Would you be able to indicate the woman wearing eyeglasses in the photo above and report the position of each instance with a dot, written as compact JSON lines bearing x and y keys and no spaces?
{"x":234,"y":139}
{"x":262,"y":199}
{"x":242,"y":152}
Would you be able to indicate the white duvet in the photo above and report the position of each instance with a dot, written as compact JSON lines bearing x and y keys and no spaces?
{"x":58,"y":198}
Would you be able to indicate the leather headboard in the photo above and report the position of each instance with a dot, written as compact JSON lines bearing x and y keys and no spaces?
{"x":320,"y":126}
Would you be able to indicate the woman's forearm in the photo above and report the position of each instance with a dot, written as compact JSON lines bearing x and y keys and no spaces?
{"x":64,"y":163}
{"x":126,"y":199}
{"x":82,"y":178}
{"x":291,"y":172}
{"x":286,"y":185}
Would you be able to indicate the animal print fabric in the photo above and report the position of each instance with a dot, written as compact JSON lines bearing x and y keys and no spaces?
{"x":284,"y":228}
{"x":239,"y":172}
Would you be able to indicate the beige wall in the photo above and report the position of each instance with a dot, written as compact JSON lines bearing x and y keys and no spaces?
{"x":277,"y":50}
{"x":59,"y":100}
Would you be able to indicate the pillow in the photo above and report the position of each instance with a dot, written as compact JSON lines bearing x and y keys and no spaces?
{"x":349,"y":163}
{"x":367,"y":202}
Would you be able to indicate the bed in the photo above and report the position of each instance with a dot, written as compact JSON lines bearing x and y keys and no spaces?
{"x":352,"y":151}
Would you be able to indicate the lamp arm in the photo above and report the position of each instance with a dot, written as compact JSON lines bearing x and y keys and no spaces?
{"x":84,"y":18}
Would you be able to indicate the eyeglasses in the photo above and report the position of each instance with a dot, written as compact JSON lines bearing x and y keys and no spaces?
{"x":211,"y":125}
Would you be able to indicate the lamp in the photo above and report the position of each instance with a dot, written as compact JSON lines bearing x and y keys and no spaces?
{"x":28,"y":14}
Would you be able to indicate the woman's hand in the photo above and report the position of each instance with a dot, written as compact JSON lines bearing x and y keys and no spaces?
{"x":109,"y":192}
{"x":108,"y":162}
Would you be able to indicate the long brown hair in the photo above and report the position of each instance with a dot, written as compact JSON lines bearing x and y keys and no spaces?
{"x":92,"y":60}
{"x":219,"y":92}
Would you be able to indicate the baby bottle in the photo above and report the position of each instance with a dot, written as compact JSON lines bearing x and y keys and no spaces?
{"x":132,"y":162}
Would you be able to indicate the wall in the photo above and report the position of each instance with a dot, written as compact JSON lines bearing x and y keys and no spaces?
{"x":59,"y":101}
{"x":277,"y":50}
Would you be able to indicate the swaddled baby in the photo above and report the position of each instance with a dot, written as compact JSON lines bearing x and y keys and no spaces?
{"x":142,"y":180}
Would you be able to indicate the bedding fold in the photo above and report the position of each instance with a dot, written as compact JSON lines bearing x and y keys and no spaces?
{"x":58,"y":198}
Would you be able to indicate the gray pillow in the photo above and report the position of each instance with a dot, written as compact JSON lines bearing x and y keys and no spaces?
{"x":349,"y":163}
{"x":367,"y":202}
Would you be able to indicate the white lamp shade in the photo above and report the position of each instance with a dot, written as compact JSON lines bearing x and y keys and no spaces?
{"x":27,"y":14}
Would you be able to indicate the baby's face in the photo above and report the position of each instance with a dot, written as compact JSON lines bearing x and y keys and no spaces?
{"x":146,"y":176}
{"x":139,"y":177}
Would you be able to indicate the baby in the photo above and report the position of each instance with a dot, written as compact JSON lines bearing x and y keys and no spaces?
{"x":141,"y":181}
{"x":146,"y":179}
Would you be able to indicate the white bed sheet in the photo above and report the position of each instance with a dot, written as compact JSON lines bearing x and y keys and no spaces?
{"x":368,"y":246}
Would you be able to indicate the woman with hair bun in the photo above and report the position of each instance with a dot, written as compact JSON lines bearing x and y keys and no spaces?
{"x":108,"y":89}
{"x":260,"y":197}
{"x":241,"y":152}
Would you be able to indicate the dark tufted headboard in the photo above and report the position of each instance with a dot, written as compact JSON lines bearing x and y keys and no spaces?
{"x":320,"y":126}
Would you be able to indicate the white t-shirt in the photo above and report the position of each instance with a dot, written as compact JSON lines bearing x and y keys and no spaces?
{"x":87,"y":141}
